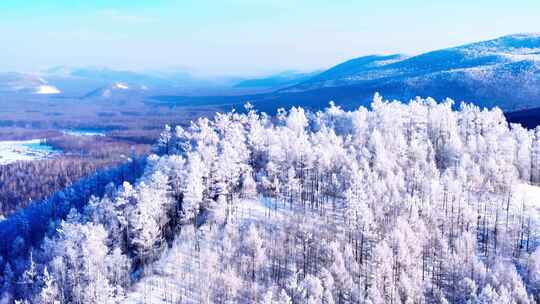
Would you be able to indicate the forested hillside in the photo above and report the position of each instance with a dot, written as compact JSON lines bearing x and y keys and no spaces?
{"x":23,"y":182}
{"x":403,"y":203}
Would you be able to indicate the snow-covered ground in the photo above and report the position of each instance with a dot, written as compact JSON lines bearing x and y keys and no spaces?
{"x":178,"y":275}
{"x":527,"y":196}
{"x":527,"y":193}
{"x":166,"y":283}
{"x":25,"y":150}
{"x":47,"y":89}
{"x":84,"y":132}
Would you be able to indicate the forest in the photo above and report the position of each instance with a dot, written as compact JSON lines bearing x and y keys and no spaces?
{"x":26,"y":181}
{"x":400,"y":203}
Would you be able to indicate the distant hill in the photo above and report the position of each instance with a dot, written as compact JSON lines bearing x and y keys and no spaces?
{"x":25,"y":83}
{"x":116,"y":90}
{"x":503,"y":72}
{"x":88,"y":82}
{"x":277,"y":81}
{"x":80,"y":81}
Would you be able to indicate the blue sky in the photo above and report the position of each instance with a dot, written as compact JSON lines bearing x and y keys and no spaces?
{"x":243,"y":36}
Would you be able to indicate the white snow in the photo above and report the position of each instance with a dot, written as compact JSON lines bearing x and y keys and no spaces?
{"x":161,"y":284}
{"x":174,"y":278}
{"x":82,"y":132}
{"x":106,"y":93}
{"x":121,"y":86}
{"x":25,"y":150}
{"x":527,"y":196}
{"x":47,"y":89}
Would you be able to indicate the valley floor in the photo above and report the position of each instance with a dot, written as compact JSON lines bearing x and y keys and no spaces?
{"x":25,"y":150}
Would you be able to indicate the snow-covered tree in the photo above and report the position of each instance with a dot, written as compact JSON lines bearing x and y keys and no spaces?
{"x":401,"y":203}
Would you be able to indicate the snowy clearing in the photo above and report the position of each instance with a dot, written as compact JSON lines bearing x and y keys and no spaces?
{"x":25,"y":150}
{"x":47,"y":89}
{"x":161,"y":283}
{"x":84,"y":132}
{"x":178,"y":275}
{"x":527,"y":196}
{"x":121,"y":86}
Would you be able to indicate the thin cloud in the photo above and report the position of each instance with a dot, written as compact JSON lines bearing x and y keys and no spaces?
{"x":122,"y":17}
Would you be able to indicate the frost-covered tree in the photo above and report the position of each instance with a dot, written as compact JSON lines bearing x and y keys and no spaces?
{"x":254,"y":250}
{"x":165,"y":141}
{"x":49,"y":292}
{"x":423,"y":202}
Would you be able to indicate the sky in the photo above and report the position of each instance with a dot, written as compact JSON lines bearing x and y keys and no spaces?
{"x":235,"y":37}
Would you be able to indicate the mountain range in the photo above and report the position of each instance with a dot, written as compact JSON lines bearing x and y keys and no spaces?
{"x":25,"y":83}
{"x":503,"y":72}
{"x":277,"y":81}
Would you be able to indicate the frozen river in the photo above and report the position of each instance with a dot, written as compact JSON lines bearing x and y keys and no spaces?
{"x":85,"y":132}
{"x":25,"y":150}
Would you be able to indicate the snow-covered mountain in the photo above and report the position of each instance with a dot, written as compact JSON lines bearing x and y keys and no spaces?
{"x":76,"y":82}
{"x":116,"y":90}
{"x":481,"y":72}
{"x":276,"y":81}
{"x":106,"y":75}
{"x":26,"y":83}
{"x":88,"y":81}
{"x":503,"y":72}
{"x":80,"y":81}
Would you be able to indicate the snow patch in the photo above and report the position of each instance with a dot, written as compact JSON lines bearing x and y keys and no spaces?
{"x":83,"y":132}
{"x":47,"y":89}
{"x":25,"y":150}
{"x":527,"y":196}
{"x":161,"y":285}
{"x":121,"y":86}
